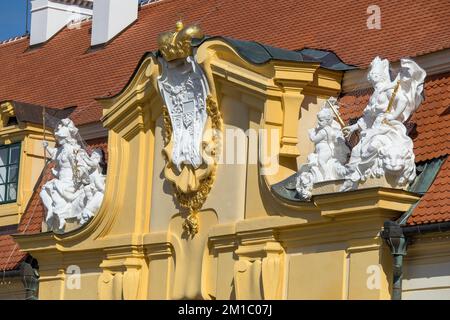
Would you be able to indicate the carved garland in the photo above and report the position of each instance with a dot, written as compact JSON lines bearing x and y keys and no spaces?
{"x":193,"y":201}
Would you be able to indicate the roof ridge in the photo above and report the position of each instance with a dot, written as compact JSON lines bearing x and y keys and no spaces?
{"x":78,"y":21}
{"x":144,"y":3}
{"x":13,"y":39}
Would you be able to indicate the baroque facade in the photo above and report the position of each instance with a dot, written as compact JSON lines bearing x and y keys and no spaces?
{"x":214,"y":159}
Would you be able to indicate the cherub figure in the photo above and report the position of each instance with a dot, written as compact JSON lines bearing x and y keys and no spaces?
{"x":327,"y":161}
{"x":95,"y":190}
{"x":330,"y":146}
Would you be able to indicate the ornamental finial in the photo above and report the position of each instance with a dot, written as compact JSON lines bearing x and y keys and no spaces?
{"x":177,"y":44}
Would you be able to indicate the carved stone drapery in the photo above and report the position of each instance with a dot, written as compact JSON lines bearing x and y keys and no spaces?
{"x":258,"y":274}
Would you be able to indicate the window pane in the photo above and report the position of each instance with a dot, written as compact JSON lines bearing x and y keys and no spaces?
{"x":12,"y":192}
{"x":12,"y":175}
{"x":2,"y":193}
{"x":15,"y":154}
{"x":3,"y":174}
{"x":3,"y":156}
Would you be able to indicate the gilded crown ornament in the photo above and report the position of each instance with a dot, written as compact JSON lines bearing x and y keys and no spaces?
{"x":177,"y":45}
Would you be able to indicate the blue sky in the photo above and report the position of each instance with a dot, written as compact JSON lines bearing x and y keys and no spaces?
{"x":12,"y":18}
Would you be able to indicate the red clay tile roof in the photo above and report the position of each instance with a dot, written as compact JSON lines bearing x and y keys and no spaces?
{"x":10,"y":258}
{"x":435,"y":204}
{"x":10,"y":254}
{"x":433,"y":120}
{"x":65,"y":72}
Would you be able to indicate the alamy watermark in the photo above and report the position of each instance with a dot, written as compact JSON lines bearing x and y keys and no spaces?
{"x":253,"y":146}
{"x":373,"y":281}
{"x":374,"y":19}
{"x":73,"y":280}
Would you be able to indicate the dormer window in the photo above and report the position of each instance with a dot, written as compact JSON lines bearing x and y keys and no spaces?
{"x":9,"y":172}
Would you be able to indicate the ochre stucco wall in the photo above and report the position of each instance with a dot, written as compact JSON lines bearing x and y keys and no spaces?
{"x":251,"y":244}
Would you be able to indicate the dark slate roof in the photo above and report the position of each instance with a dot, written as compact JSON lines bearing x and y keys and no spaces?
{"x":286,"y":189}
{"x":257,"y":53}
{"x":427,"y":173}
{"x":31,"y":113}
{"x":328,"y":59}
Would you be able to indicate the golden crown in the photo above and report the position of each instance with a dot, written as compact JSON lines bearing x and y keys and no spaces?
{"x":176,"y":45}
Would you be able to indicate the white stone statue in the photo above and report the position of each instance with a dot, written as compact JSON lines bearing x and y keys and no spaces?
{"x":384,"y":149}
{"x":330,"y":154}
{"x":76,"y":192}
{"x":184,"y":89}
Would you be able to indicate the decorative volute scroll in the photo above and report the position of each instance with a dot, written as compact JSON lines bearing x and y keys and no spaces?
{"x":192,"y":122}
{"x":76,"y":191}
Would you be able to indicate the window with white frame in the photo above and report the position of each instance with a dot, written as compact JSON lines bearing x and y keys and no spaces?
{"x":9,"y":172}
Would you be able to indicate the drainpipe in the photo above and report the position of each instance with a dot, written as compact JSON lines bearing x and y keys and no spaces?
{"x":29,"y":277}
{"x":397,"y":238}
{"x":397,"y":234}
{"x":30,"y":280}
{"x":9,"y":274}
{"x":426,"y":228}
{"x":393,"y":234}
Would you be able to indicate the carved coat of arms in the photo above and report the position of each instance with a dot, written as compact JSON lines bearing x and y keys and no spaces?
{"x":192,"y":122}
{"x":184,"y":90}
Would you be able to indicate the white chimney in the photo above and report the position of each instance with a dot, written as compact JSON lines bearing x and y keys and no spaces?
{"x":50,"y":16}
{"x":111,"y":17}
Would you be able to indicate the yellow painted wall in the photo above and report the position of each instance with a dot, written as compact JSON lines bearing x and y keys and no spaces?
{"x":318,"y":275}
{"x":250,"y":245}
{"x":30,"y":137}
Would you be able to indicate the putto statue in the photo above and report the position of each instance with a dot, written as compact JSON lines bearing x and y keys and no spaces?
{"x":384,"y":148}
{"x":76,"y":192}
{"x":330,"y":154}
